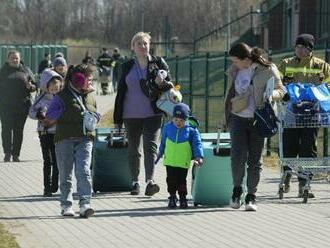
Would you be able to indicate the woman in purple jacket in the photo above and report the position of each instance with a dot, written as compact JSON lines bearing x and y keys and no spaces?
{"x":135,"y":106}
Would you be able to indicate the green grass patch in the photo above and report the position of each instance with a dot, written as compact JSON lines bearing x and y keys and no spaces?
{"x":6,"y":239}
{"x":106,"y":120}
{"x":271,"y":161}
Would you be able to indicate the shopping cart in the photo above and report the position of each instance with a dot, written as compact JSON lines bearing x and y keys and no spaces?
{"x":304,"y":167}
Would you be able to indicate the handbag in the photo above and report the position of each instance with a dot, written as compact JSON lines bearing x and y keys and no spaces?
{"x":266,"y":121}
{"x":168,"y":100}
{"x":89,"y":121}
{"x":148,"y":86}
{"x":89,"y":118}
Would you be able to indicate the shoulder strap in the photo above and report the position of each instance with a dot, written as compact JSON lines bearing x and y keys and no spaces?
{"x":39,"y":99}
{"x":78,"y":99}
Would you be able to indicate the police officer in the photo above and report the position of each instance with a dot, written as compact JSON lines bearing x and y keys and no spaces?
{"x":105,"y":64}
{"x":303,"y":67}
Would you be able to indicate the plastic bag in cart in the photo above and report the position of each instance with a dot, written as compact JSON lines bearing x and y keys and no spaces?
{"x":299,"y":92}
{"x":317,"y":98}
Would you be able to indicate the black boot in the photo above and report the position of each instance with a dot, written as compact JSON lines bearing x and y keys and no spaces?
{"x":172,"y":201}
{"x":7,"y":157}
{"x":183,"y":202}
{"x":16,"y":159}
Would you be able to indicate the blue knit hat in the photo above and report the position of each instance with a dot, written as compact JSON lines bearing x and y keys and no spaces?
{"x":181,"y":111}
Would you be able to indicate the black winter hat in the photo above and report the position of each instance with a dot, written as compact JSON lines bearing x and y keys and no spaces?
{"x":306,"y":40}
{"x":181,"y":111}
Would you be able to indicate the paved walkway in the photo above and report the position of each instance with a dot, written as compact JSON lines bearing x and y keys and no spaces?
{"x":122,"y":220}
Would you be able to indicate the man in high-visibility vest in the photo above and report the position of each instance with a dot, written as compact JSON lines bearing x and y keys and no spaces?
{"x":303,"y":67}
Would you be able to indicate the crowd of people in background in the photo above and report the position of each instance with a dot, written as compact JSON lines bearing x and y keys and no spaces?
{"x":65,"y":95}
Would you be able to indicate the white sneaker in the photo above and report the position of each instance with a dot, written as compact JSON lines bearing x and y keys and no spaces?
{"x":86,"y":211}
{"x":251,"y":206}
{"x":67,"y":211}
{"x":236,"y":203}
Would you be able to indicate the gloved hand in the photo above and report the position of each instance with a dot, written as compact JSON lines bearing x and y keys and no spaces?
{"x":40,"y":115}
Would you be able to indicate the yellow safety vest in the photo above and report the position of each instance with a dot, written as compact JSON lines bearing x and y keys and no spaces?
{"x":311,"y":70}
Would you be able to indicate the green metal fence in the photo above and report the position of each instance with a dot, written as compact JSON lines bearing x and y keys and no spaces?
{"x":31,"y":54}
{"x":204,"y":83}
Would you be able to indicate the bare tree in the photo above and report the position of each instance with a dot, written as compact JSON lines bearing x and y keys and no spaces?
{"x":113,"y":21}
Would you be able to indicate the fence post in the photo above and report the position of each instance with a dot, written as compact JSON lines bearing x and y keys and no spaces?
{"x":176,"y":68}
{"x":207,"y":93}
{"x":225,"y":74}
{"x":190,"y":80}
{"x":325,"y":130}
{"x":194,"y":47}
{"x":32,"y":68}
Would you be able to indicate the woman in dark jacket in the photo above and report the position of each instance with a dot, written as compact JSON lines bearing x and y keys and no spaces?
{"x":135,"y":106}
{"x":16,"y":85}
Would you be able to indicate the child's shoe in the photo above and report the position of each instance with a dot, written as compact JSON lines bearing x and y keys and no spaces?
{"x":183,"y":202}
{"x":172,"y":201}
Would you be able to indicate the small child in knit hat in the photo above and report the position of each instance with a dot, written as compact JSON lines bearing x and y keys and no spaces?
{"x":180,"y":144}
{"x":50,"y":84}
{"x":60,"y":66}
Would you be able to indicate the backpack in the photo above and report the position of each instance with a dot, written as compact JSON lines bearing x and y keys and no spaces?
{"x":266,"y":121}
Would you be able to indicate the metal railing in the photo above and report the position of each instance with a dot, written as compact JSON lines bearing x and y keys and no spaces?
{"x":204,"y":84}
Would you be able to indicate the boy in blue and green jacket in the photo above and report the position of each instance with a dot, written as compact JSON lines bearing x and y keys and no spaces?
{"x":180,"y":144}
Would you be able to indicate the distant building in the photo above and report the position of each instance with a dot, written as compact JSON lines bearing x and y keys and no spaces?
{"x":283,"y":20}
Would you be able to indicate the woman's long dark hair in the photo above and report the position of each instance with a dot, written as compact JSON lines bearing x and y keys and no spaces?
{"x":242,"y":51}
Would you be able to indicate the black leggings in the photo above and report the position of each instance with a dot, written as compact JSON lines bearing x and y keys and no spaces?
{"x":12,"y":125}
{"x":176,"y":180}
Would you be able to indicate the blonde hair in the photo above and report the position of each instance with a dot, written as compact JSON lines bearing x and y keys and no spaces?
{"x":138,"y":36}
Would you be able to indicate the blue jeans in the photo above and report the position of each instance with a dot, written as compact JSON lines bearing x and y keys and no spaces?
{"x":75,"y":153}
